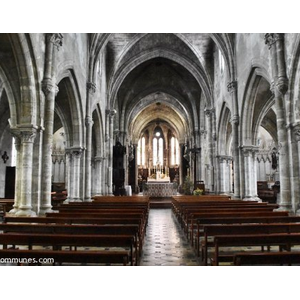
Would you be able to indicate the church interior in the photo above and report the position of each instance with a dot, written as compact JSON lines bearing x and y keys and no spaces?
{"x":170,"y":128}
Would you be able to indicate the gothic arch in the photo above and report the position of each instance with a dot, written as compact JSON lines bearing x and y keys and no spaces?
{"x":98,"y":133}
{"x":5,"y":87}
{"x":164,"y":53}
{"x":293,"y":108}
{"x":69,"y":107}
{"x":225,"y":131}
{"x":257,"y":101}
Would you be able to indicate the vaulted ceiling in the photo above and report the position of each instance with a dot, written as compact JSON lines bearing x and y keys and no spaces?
{"x":176,"y":68}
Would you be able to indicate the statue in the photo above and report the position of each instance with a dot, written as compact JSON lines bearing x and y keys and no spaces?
{"x":274,"y":159}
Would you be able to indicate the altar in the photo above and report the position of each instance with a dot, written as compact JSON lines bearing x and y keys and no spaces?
{"x":159,"y":189}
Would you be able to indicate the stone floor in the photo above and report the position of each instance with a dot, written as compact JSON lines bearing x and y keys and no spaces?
{"x":165,"y":243}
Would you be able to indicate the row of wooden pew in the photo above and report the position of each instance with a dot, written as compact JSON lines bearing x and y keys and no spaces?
{"x":215,"y":223}
{"x":109,"y":230}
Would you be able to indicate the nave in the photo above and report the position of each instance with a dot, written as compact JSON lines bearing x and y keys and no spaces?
{"x":165,"y":243}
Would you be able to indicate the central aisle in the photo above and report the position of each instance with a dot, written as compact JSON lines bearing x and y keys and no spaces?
{"x":165,"y":243}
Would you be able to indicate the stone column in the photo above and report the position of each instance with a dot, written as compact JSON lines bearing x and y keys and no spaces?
{"x":228,"y":173}
{"x":18,"y":175}
{"x":110,"y":114}
{"x":295,"y":144}
{"x":88,"y":153}
{"x":25,"y":205}
{"x":181,"y":179}
{"x":232,"y":88}
{"x":50,"y":90}
{"x":98,"y":175}
{"x":247,"y":175}
{"x":91,"y":89}
{"x":69,"y":175}
{"x":210,"y":167}
{"x":203,"y":135}
{"x":76,"y":154}
{"x":224,"y":174}
{"x":275,"y":41}
{"x":249,"y":154}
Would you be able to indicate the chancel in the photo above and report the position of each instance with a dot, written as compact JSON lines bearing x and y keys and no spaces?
{"x":107,"y":130}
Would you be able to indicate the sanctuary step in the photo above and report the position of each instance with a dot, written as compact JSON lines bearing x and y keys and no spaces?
{"x":160,"y":202}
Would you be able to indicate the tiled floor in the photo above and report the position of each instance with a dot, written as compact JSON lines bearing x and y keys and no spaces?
{"x":165,"y":243}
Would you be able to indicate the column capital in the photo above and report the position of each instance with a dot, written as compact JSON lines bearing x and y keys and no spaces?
{"x":272,"y":38}
{"x":295,"y":131}
{"x":99,"y":158}
{"x":74,"y":151}
{"x":55,"y":39}
{"x":249,"y":149}
{"x":224,"y":158}
{"x":235,"y":120}
{"x":89,"y":121}
{"x":24,"y":133}
{"x":209,"y":111}
{"x":110,"y":112}
{"x":49,"y":87}
{"x":232,"y":86}
{"x":282,"y":85}
{"x":91,"y":87}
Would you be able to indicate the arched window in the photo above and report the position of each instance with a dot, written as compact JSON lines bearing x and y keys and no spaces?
{"x":143,"y":151}
{"x":221,"y":62}
{"x":177,"y":157}
{"x":13,"y":153}
{"x":139,"y":150}
{"x":161,"y":151}
{"x":155,"y":161}
{"x":174,"y":151}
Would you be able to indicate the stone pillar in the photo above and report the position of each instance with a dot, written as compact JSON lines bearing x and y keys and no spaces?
{"x":50,"y":90}
{"x":250,"y":176}
{"x":24,"y":205}
{"x":198,"y":155}
{"x":91,"y":89}
{"x":88,"y":153}
{"x":110,"y":115}
{"x":98,"y":175}
{"x":76,"y":154}
{"x":69,"y":176}
{"x":232,"y":88}
{"x":275,"y":41}
{"x":18,"y":174}
{"x":210,"y":167}
{"x":295,"y":144}
{"x":254,"y":172}
{"x":203,"y":135}
{"x":224,"y":174}
{"x":181,"y":179}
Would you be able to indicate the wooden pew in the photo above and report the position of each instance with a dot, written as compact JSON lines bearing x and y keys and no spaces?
{"x":286,"y":240}
{"x":189,"y":223}
{"x":210,"y":231}
{"x":121,"y":229}
{"x":59,"y":257}
{"x":78,"y":221}
{"x":266,"y":258}
{"x":57,"y":241}
{"x":240,"y":221}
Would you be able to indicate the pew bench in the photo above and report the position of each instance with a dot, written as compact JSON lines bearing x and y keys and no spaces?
{"x":266,"y":258}
{"x":209,"y":231}
{"x":114,"y":229}
{"x":40,"y":257}
{"x":282,"y":240}
{"x":58,"y":241}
